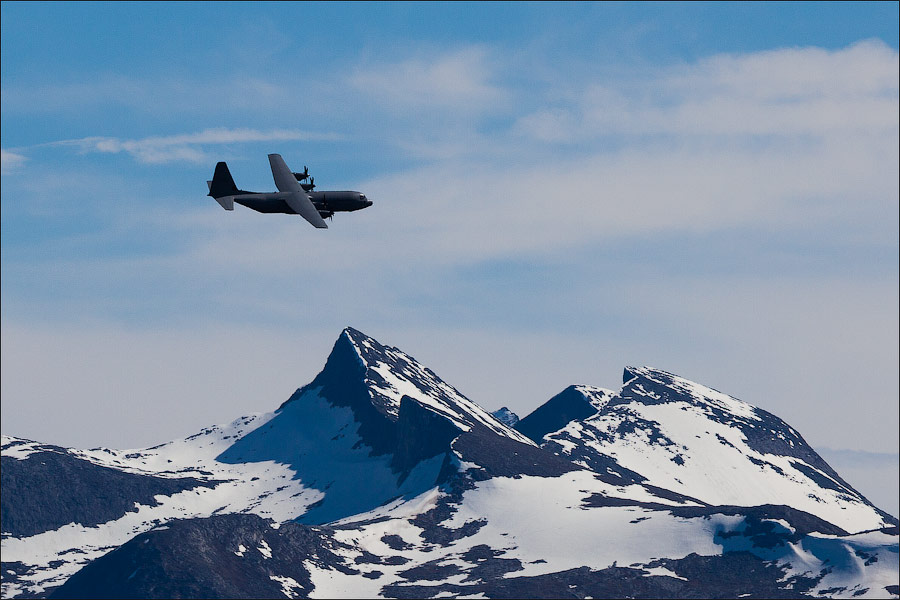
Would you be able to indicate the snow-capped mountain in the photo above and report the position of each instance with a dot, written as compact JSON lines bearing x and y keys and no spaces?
{"x":506,"y":416}
{"x":379,"y":479}
{"x":668,"y":432}
{"x":572,"y":404}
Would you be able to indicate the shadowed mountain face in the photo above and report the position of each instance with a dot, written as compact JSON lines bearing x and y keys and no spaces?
{"x":52,"y":488}
{"x":228,"y":556}
{"x":375,"y":425}
{"x":571,"y":404}
{"x":379,"y":479}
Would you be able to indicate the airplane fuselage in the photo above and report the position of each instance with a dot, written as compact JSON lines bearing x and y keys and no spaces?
{"x":292,"y":197}
{"x":326,"y":202}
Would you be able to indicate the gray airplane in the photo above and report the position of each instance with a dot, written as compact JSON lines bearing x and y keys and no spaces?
{"x":292,"y":197}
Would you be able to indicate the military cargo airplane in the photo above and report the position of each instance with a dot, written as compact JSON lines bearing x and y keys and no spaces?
{"x":292,"y":197}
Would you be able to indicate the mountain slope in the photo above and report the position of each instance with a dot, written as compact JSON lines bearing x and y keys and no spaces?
{"x":379,"y":479}
{"x":474,"y":537}
{"x":668,"y":432}
{"x":73,"y":490}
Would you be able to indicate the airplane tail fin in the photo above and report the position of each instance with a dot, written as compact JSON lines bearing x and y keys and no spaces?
{"x":222,"y":183}
{"x":222,"y":186}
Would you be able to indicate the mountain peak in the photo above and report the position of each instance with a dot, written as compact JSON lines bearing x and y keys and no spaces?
{"x":357,"y":339}
{"x":655,"y":386}
{"x":576,"y":402}
{"x":389,"y":374}
{"x":671,"y":433}
{"x":506,"y":416}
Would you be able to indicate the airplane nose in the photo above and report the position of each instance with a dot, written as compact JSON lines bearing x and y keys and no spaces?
{"x":368,"y":203}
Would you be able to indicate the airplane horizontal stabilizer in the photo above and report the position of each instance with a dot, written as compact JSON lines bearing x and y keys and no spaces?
{"x":227,"y":202}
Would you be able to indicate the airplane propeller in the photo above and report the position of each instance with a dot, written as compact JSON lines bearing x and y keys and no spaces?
{"x":312,"y":183}
{"x":303,"y":175}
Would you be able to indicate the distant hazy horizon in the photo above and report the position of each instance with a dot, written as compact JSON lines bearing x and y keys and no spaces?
{"x":875,"y":475}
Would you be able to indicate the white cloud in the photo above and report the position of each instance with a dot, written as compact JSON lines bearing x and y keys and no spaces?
{"x":803,"y":139}
{"x":10,"y":161}
{"x":470,"y":211}
{"x":788,"y":92}
{"x":863,"y":69}
{"x":185,"y":147}
{"x":458,"y":81}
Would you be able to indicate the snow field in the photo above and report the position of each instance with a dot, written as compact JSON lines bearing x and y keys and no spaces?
{"x":717,"y":466}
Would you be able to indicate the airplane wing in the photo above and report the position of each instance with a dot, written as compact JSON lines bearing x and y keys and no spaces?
{"x":300,"y":204}
{"x":296,"y":198}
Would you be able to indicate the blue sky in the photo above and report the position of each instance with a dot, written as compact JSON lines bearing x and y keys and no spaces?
{"x":560,"y":190}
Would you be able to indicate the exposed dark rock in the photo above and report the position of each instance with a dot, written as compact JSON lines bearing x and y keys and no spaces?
{"x":15,"y":572}
{"x":802,"y":522}
{"x":395,"y":542}
{"x":733,"y":575}
{"x":501,"y":456}
{"x":488,"y":564}
{"x":52,"y":488}
{"x":202,"y":558}
{"x":432,"y":570}
{"x":366,"y":557}
{"x":607,"y":467}
{"x":421,"y":434}
{"x":568,"y":405}
{"x":430,"y":521}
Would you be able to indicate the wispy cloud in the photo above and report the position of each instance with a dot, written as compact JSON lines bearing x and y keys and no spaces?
{"x":10,"y":161}
{"x":798,"y":139}
{"x":787,"y":92}
{"x":841,"y":191}
{"x":460,"y":80}
{"x":186,"y":147}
